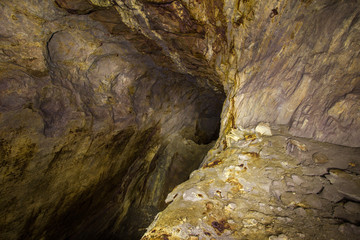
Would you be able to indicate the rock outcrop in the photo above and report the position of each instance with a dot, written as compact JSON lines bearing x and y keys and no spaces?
{"x":107,"y":105}
{"x":282,"y":62}
{"x":266,"y":187}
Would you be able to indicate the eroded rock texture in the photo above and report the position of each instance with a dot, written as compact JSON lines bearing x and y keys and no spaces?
{"x":266,"y":187}
{"x":292,"y":64}
{"x":107,"y":105}
{"x":284,"y":62}
{"x":91,"y":128}
{"x":296,"y":63}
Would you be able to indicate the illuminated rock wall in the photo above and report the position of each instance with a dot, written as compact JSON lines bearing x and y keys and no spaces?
{"x":105,"y":106}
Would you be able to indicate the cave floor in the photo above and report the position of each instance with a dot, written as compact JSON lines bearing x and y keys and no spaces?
{"x":266,"y":187}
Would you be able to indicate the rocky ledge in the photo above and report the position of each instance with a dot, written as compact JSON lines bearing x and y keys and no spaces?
{"x":266,"y":187}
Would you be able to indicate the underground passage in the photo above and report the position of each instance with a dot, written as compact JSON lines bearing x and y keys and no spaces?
{"x":179,"y":119}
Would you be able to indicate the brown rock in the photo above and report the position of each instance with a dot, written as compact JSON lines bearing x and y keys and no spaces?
{"x":320,"y":158}
{"x":77,"y":6}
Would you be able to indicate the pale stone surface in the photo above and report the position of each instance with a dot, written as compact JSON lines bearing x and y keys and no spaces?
{"x":242,"y":198}
{"x":263,"y":129}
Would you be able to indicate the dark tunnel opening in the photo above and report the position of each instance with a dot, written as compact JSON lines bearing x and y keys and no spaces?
{"x":102,"y":133}
{"x":169,"y":143}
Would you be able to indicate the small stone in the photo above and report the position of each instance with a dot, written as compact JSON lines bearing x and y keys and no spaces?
{"x":263,"y":129}
{"x":280,"y":237}
{"x":313,"y":201}
{"x":277,"y":188}
{"x":315,"y":171}
{"x":284,"y":219}
{"x":300,"y":235}
{"x":289,"y":182}
{"x":312,"y":185}
{"x":320,"y":158}
{"x":290,"y":199}
{"x":230,"y":221}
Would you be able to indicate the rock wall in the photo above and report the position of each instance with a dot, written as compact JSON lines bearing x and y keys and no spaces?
{"x":295,"y":63}
{"x":101,"y":102}
{"x":91,"y":129}
{"x":286,"y":62}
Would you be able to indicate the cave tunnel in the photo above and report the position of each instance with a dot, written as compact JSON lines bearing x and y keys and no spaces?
{"x":102,"y":130}
{"x":174,"y":119}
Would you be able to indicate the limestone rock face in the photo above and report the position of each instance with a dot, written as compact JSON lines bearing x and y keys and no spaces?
{"x":293,"y":64}
{"x":106,"y":106}
{"x":281,"y":62}
{"x":91,"y":128}
{"x":257,"y":189}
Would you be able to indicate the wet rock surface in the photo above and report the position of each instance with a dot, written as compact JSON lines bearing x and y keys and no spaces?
{"x":256,"y":189}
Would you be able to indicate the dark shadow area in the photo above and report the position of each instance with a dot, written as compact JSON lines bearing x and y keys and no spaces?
{"x":90,"y":148}
{"x":182,"y":130}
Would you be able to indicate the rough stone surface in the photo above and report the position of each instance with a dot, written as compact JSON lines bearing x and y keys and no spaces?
{"x":105,"y":106}
{"x":280,"y":62}
{"x":90,"y":127}
{"x":285,"y":68}
{"x":239,"y":199}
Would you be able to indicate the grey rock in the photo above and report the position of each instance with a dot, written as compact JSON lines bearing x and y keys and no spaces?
{"x":352,"y":207}
{"x":345,"y":183}
{"x":349,"y":229}
{"x":290,"y":199}
{"x":331,"y":193}
{"x":300,"y":211}
{"x":297,"y":180}
{"x":350,"y":211}
{"x":314,"y":201}
{"x":312,"y":185}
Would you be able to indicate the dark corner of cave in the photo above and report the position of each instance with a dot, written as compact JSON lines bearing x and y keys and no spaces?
{"x":174,"y":119}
